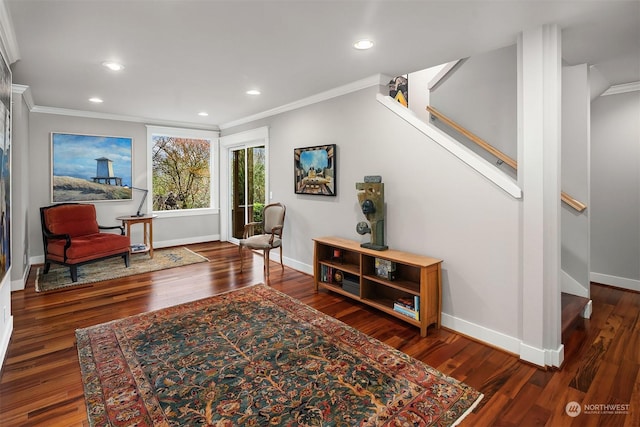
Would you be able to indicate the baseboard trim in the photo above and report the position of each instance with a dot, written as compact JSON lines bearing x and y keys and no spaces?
{"x":509,"y":344}
{"x":20,"y":284}
{"x":554,"y":358}
{"x":480,"y":333}
{"x":292,"y":263}
{"x":618,"y":282}
{"x":187,"y":241}
{"x":6,"y":339}
{"x":542,"y":357}
{"x":534,"y":355}
{"x":38,"y":259}
{"x":587,"y":310}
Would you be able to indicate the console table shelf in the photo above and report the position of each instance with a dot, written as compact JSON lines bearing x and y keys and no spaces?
{"x":349,"y":268}
{"x":417,"y":278}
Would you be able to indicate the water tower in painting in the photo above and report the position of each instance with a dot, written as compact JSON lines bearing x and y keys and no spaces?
{"x":104,"y":173}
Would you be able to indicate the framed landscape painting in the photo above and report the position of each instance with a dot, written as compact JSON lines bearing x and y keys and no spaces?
{"x":88,"y":168}
{"x":315,"y":170}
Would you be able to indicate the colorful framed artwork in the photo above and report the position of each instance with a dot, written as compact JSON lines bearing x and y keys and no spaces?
{"x":5,"y":167}
{"x":315,"y":170}
{"x":90,"y":168}
{"x":399,"y":89}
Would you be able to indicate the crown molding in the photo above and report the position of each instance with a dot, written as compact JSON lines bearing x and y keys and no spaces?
{"x":8,"y":43}
{"x":622,"y":88}
{"x":25,"y":91}
{"x":375,"y":80}
{"x":118,"y":117}
{"x":181,"y":132}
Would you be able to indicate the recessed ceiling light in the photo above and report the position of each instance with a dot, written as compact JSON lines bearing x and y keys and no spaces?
{"x":96,"y":100}
{"x":113,"y":66}
{"x":203,"y":113}
{"x":253,"y":92}
{"x":363,"y":44}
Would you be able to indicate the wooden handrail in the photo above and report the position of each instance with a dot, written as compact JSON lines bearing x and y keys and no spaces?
{"x":473,"y":137}
{"x":574,"y":203}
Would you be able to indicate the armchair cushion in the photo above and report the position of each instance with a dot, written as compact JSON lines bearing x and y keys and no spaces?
{"x":74,"y":220}
{"x":260,"y":241}
{"x":88,"y":247}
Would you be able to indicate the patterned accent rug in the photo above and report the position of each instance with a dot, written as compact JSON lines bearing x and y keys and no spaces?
{"x":58,"y":276}
{"x":257,"y":357}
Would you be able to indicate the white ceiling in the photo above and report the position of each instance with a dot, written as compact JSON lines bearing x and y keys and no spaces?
{"x":182,"y":57}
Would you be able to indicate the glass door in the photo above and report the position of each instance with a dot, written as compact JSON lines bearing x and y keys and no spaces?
{"x":247,"y":187}
{"x":244,"y":180}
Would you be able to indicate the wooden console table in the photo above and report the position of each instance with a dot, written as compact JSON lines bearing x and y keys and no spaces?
{"x":342,"y":266}
{"x":147,"y":225}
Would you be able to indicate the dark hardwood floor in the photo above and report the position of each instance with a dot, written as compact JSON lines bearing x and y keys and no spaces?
{"x":41,"y":383}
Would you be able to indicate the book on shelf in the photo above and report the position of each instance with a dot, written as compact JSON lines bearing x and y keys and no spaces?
{"x":409,"y":306}
{"x":327,"y":274}
{"x":138,"y":247}
{"x":412,"y":303}
{"x":414,"y":314}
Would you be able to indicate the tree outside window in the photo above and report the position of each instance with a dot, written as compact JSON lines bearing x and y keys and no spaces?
{"x":181,"y":173}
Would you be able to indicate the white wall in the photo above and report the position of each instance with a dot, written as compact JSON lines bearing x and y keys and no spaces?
{"x":465,"y":220}
{"x":20,"y":177}
{"x":615,"y":190}
{"x":575,"y":179}
{"x":481,"y":96}
{"x":166,"y":231}
{"x":419,"y":89}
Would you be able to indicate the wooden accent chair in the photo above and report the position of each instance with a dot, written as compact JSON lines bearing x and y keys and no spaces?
{"x":71,"y":237}
{"x":270,"y":235}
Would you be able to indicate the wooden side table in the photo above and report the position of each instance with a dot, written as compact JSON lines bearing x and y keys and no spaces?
{"x":147,"y":225}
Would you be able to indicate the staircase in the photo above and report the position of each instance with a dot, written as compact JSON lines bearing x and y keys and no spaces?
{"x":573,"y":324}
{"x":488,"y":160}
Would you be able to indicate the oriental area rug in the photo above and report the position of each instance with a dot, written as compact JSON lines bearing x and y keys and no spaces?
{"x":257,"y":357}
{"x":58,"y":276}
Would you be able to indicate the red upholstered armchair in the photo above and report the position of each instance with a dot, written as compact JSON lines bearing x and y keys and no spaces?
{"x":72,"y":237}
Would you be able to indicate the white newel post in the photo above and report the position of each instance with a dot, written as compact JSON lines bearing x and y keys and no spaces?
{"x":539,"y":136}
